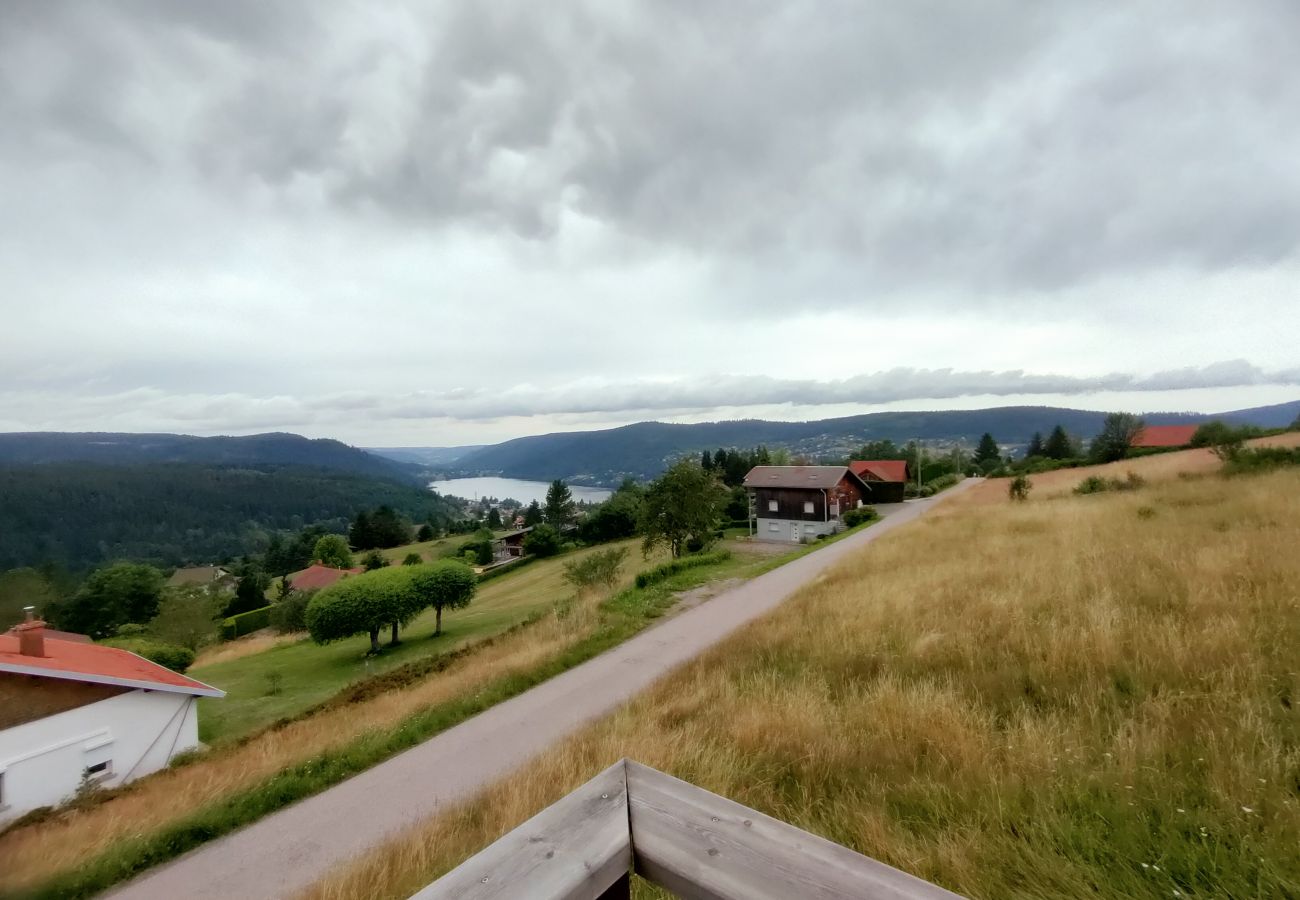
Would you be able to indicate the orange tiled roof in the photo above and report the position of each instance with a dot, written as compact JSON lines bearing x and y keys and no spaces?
{"x":75,"y":661}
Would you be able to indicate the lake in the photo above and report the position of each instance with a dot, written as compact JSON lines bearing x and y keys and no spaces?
{"x":517,"y":489}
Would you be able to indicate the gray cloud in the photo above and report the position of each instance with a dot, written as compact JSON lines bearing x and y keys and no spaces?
{"x":996,"y":146}
{"x":243,"y":412}
{"x":246,"y":215}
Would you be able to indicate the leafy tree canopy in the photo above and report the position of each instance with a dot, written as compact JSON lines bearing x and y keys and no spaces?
{"x":542,"y":541}
{"x":113,"y":596}
{"x":682,"y":505}
{"x":332,"y":550}
{"x":1118,"y":432}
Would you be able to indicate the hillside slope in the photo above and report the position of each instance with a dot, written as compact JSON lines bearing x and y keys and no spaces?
{"x":1069,"y":697}
{"x":273,"y":449}
{"x":80,"y":515}
{"x":644,"y":449}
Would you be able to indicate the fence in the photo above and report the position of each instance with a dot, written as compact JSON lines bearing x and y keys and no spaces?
{"x":698,"y":845}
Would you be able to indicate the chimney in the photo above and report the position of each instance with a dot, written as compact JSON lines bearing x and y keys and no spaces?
{"x":31,"y":634}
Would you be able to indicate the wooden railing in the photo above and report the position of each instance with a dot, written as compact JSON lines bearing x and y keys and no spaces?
{"x":631,"y":818}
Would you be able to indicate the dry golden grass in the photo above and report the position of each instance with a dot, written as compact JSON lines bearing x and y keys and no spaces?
{"x":1071,"y":696}
{"x":36,"y":852}
{"x":1157,"y":467}
{"x":257,"y":642}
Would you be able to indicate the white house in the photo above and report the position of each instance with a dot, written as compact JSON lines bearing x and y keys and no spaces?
{"x":68,"y":709}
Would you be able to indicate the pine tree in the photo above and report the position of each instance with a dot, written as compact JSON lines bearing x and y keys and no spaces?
{"x":1058,"y":444}
{"x":559,"y":504}
{"x":987,"y":450}
{"x":1035,"y":447}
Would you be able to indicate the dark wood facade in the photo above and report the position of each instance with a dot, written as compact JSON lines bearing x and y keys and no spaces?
{"x":808,"y":504}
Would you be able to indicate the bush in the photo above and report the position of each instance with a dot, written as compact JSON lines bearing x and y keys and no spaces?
{"x":543,"y":541}
{"x":1097,"y":484}
{"x":854,"y":517}
{"x":178,"y":659}
{"x":505,"y":569}
{"x":412,"y":559}
{"x":1019,"y":488}
{"x":596,"y":569}
{"x":289,"y":615}
{"x":245,"y":623}
{"x":667,"y":570}
{"x":1262,"y":459}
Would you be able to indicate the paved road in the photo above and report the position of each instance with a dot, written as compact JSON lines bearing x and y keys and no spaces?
{"x":291,"y":849}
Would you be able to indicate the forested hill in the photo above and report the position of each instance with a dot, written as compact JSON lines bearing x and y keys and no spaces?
{"x":642,"y":450}
{"x":79,"y":515}
{"x":276,"y":449}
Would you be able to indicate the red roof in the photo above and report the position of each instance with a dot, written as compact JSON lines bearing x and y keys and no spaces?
{"x":880,"y":469}
{"x":98,"y":664}
{"x":1165,"y":436}
{"x":316,"y":576}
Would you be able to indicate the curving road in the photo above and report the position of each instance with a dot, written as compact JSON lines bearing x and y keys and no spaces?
{"x":291,"y":849}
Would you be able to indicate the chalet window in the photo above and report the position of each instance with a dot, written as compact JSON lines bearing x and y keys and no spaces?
{"x":807,"y":506}
{"x":100,"y":769}
{"x":771,"y":506}
{"x":772,"y":526}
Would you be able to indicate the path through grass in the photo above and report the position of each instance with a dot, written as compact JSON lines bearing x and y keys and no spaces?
{"x":1074,"y":696}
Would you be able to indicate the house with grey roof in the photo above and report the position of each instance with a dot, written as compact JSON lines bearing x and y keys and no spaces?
{"x":798,"y":503}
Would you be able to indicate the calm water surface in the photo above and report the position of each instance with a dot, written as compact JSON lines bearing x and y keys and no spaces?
{"x":501,"y":488}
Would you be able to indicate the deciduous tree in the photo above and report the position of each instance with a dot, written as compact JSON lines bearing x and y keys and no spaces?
{"x":442,"y":585}
{"x":332,"y":550}
{"x":113,"y":596}
{"x":683,"y":504}
{"x":1118,"y":432}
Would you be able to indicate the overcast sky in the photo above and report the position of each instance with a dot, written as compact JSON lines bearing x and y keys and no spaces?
{"x":448,"y":223}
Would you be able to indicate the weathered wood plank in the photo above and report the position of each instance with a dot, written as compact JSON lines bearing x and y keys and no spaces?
{"x":704,"y":847}
{"x":575,"y":849}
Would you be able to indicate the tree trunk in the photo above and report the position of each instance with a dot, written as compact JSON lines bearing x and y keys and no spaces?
{"x":437,"y":628}
{"x":374,"y":640}
{"x":394,"y":641}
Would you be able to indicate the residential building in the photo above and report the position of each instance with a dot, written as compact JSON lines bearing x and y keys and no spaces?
{"x":797,"y":503}
{"x":317,"y":576}
{"x":887,"y":478}
{"x":73,"y":712}
{"x":1165,"y":436}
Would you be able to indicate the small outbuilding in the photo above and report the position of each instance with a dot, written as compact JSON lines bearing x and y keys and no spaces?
{"x":73,"y":712}
{"x":796,"y":503}
{"x":886,"y":477}
{"x":1165,"y":436}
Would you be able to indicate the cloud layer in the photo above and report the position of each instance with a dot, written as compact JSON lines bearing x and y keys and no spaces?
{"x":466,"y":210}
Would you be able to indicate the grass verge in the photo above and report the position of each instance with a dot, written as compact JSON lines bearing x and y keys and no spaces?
{"x":1060,"y":698}
{"x":131,"y":839}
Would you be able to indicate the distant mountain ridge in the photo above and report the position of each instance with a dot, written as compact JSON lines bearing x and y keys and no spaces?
{"x":425,"y":456}
{"x":643,"y":450}
{"x":271,"y":449}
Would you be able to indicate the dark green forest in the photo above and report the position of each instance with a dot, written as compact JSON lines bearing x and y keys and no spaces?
{"x":81,"y":515}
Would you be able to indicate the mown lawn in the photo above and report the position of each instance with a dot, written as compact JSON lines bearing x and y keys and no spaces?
{"x":306,"y":673}
{"x":1072,"y":697}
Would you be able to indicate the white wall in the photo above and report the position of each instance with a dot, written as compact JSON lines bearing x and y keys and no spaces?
{"x":41,"y":762}
{"x":784,"y":527}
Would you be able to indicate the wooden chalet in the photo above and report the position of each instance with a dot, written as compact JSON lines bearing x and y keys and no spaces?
{"x":797,"y":503}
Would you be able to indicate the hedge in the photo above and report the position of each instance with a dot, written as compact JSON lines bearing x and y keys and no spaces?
{"x":506,"y":570}
{"x":178,"y":659}
{"x":245,"y":623}
{"x":669,"y":569}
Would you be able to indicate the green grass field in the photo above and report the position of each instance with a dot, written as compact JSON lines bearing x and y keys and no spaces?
{"x":307,"y":673}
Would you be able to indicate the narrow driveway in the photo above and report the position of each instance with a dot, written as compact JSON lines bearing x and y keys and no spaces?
{"x":291,"y":849}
